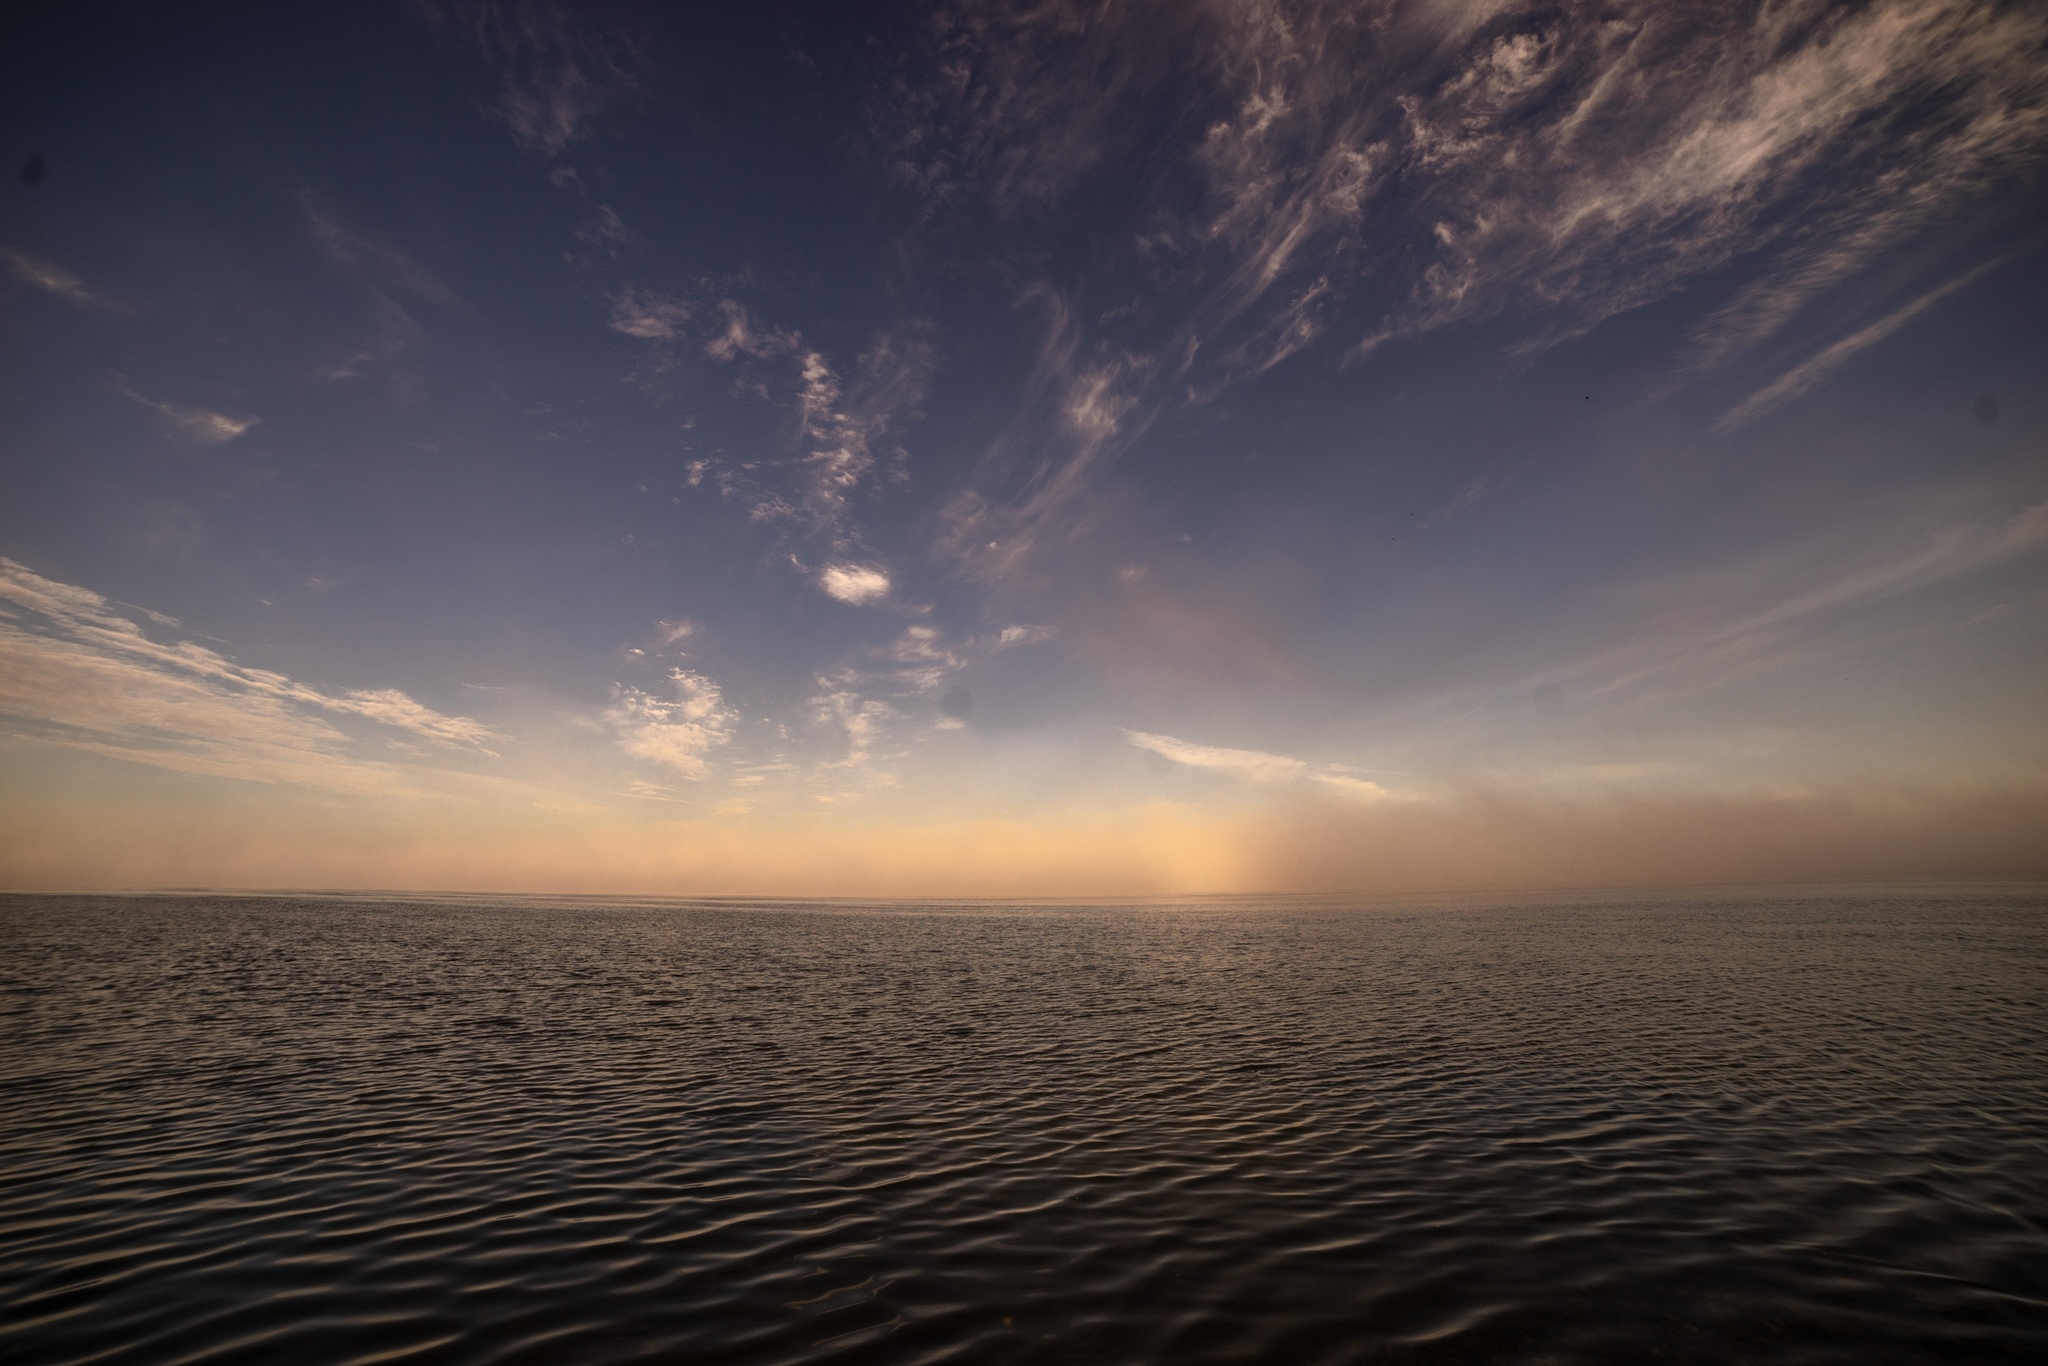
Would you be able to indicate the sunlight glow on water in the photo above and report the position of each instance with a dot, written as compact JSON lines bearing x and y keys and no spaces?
{"x":1795,"y":1125}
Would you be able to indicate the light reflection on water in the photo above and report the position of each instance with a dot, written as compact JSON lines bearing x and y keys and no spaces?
{"x":1767,"y":1125}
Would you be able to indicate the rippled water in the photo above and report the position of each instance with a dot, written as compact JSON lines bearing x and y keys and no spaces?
{"x":1762,"y":1126}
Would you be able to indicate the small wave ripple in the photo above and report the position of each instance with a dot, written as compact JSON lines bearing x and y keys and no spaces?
{"x":1769,"y":1127}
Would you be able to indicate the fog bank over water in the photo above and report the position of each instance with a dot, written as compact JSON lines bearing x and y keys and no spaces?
{"x":1473,"y":840}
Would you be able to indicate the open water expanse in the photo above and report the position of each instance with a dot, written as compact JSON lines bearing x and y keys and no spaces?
{"x":1781,"y":1125}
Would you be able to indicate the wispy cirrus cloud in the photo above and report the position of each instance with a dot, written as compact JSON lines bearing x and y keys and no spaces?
{"x":560,"y":65}
{"x":843,"y":434}
{"x":741,"y":334}
{"x":54,"y":279}
{"x":201,"y":426}
{"x":649,"y":315}
{"x":1253,"y":766}
{"x":1814,"y":370}
{"x":393,"y":708}
{"x":1321,"y":176}
{"x":908,"y":682}
{"x":849,"y":430}
{"x":1242,"y":136}
{"x":1750,"y":614}
{"x":1587,"y":168}
{"x":76,"y":672}
{"x":1084,"y":407}
{"x":388,"y":278}
{"x":366,"y":260}
{"x":1012,"y":105}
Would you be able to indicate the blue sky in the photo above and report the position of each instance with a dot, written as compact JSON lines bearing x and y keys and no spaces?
{"x":1022,"y":448}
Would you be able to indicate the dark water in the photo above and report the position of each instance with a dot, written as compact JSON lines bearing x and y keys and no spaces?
{"x":1785,"y":1126}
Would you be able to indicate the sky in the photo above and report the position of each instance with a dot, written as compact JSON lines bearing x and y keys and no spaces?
{"x":1022,"y":449}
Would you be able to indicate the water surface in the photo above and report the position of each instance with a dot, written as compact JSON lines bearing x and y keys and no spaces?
{"x":1789,"y":1125}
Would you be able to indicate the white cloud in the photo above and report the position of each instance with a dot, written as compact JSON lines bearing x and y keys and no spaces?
{"x":677,"y":732}
{"x":922,"y":646}
{"x":1251,"y":765}
{"x":843,"y":433}
{"x":394,"y":708}
{"x":52,"y":278}
{"x":207,"y":428}
{"x":1256,"y":766}
{"x":648,"y":315}
{"x":1351,"y":787}
{"x":742,"y":336}
{"x":860,"y":717}
{"x":839,"y":457}
{"x":604,"y":225}
{"x":854,"y":583}
{"x":1015,"y":634}
{"x":198,"y":425}
{"x":75,"y":672}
